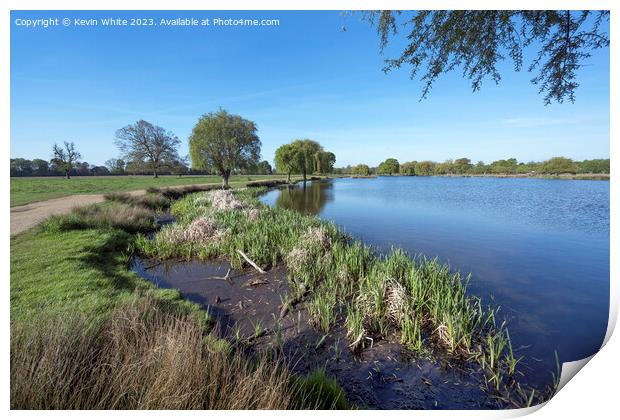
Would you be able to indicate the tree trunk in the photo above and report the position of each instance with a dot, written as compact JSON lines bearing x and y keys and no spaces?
{"x":67,"y":175}
{"x":304,"y":175}
{"x":155,"y":175}
{"x":288,"y":178}
{"x":225,"y":176}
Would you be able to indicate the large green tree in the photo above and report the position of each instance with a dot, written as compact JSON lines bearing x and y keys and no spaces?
{"x":558,"y":165}
{"x":388,"y":167}
{"x":556,"y":44}
{"x":288,"y":159}
{"x":224,"y":143}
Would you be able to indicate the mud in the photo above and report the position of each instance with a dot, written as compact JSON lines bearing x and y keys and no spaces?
{"x":247,"y":307}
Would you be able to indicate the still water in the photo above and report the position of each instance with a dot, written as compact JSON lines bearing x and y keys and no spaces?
{"x":537,"y":248}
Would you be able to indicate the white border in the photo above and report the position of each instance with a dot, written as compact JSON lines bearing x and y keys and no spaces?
{"x":593,"y":394}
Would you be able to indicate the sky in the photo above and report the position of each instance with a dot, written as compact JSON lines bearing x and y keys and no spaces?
{"x":315,"y":75}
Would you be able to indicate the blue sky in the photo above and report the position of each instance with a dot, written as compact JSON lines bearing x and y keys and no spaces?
{"x":306,"y":78}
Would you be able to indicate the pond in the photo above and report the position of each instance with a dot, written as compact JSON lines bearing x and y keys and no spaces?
{"x":538,"y":248}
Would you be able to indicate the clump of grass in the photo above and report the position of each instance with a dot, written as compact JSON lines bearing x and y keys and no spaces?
{"x":151,"y":201}
{"x":111,"y":215}
{"x":145,"y":357}
{"x":321,"y":309}
{"x":356,"y":333}
{"x":319,"y":391}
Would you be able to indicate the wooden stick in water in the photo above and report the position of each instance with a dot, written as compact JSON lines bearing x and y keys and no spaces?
{"x":252,"y":263}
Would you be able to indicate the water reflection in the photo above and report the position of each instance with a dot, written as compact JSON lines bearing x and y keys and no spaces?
{"x":306,"y":198}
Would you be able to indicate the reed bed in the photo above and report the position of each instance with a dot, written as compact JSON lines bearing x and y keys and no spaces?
{"x":419,"y":300}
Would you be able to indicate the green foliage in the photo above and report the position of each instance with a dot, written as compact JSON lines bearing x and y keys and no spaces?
{"x":476,"y":41}
{"x":224,"y":142}
{"x":319,"y":391}
{"x":388,"y":167}
{"x":305,"y":157}
{"x":425,"y":168}
{"x":559,"y":165}
{"x":361,"y":169}
{"x":408,"y":168}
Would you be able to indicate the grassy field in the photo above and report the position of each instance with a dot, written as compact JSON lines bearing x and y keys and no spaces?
{"x":31,"y":189}
{"x":88,"y":333}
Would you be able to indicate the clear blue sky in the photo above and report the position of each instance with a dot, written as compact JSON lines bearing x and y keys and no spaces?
{"x":306,"y":78}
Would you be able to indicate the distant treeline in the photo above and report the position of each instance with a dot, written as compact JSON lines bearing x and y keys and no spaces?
{"x":464,"y":166}
{"x":41,"y":167}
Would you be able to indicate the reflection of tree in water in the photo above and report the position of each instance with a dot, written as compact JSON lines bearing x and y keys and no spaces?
{"x":307,"y":199}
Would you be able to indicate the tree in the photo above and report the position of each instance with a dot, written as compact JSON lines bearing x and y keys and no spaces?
{"x":307,"y":150}
{"x":558,"y":165}
{"x":116,"y":166}
{"x":425,"y":168}
{"x":148,"y":143}
{"x":462,"y":166}
{"x":264,"y":168}
{"x":408,"y":168}
{"x":288,"y":159}
{"x":224,"y":142}
{"x":389,"y":166}
{"x":40,"y":167}
{"x":360,"y":169}
{"x":324,"y":162}
{"x":476,"y":41}
{"x":21,"y":167}
{"x":99,"y":170}
{"x":65,"y":158}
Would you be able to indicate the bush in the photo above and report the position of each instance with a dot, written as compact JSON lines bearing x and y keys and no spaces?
{"x":318,"y":391}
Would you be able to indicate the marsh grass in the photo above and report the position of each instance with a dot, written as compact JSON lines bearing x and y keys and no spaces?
{"x":421,"y":299}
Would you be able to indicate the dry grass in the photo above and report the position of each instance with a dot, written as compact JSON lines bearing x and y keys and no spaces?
{"x":143,"y":357}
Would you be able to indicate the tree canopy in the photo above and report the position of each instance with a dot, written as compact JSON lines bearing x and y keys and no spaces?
{"x":224,"y":142}
{"x":304,"y":156}
{"x":389,"y":166}
{"x":147,"y":143}
{"x":477,"y":41}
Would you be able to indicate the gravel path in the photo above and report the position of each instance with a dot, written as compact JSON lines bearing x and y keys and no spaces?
{"x":29,"y":215}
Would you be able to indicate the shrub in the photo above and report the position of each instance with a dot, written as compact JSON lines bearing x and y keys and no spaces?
{"x":112,"y":215}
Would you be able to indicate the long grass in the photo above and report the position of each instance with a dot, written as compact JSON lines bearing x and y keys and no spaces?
{"x":145,"y":357}
{"x":421,"y":299}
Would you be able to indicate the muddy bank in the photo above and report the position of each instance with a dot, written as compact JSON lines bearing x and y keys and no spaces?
{"x":248,"y":309}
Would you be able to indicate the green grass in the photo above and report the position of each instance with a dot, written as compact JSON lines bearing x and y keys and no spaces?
{"x":31,"y":189}
{"x":76,"y":271}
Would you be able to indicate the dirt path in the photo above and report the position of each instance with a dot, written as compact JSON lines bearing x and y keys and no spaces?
{"x":29,"y":215}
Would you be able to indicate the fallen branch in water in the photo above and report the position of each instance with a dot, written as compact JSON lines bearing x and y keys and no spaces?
{"x":225,"y":278}
{"x":252,"y":263}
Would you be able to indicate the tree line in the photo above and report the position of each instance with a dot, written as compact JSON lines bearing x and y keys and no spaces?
{"x":464,"y":166}
{"x":220,"y":144}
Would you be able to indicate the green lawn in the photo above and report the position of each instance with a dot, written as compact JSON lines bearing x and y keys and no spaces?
{"x":31,"y":189}
{"x":77,"y":271}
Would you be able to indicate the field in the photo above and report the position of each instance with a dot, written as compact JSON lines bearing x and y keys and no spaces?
{"x":30,"y":189}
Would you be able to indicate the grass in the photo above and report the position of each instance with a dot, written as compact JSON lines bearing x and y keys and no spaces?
{"x":88,"y":333}
{"x":419,"y":299}
{"x":30,"y":189}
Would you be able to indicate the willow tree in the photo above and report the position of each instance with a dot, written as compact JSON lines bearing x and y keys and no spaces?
{"x":288,"y":159}
{"x":558,"y":44}
{"x":224,"y":143}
